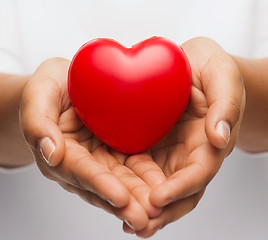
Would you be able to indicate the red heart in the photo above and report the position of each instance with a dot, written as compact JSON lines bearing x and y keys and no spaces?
{"x":130,"y":97}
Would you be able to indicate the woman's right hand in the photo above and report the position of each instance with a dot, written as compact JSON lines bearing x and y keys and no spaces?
{"x":68,"y":153}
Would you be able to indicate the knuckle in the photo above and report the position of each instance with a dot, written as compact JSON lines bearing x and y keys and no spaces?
{"x":116,"y":166}
{"x":124,"y":173}
{"x":138,"y":189}
{"x":134,"y":160}
{"x":95,"y":179}
{"x":233,"y":105}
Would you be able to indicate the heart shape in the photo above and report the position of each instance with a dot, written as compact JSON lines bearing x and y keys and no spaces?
{"x":129,"y":98}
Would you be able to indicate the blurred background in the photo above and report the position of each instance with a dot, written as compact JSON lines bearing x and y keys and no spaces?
{"x":235,"y":205}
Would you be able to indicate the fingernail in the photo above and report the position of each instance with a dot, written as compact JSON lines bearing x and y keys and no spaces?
{"x":223,"y":129}
{"x":114,"y":205}
{"x":47,"y":148}
{"x":129,"y":224}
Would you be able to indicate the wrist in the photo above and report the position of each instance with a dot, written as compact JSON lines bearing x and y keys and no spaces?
{"x":11,"y":90}
{"x":253,"y":135}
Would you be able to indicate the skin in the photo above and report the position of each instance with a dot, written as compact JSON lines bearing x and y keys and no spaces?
{"x":167,"y":181}
{"x":186,"y":155}
{"x":254,"y":128}
{"x":82,"y":163}
{"x":11,"y":90}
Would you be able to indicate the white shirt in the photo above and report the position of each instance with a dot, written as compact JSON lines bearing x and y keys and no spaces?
{"x":32,"y":207}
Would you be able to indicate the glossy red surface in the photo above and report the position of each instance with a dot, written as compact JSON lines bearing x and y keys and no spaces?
{"x":130,"y":97}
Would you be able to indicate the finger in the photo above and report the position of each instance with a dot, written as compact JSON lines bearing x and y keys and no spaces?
{"x":171,"y":213}
{"x":203,"y":164}
{"x":78,"y":166}
{"x":72,"y":127}
{"x":216,"y":74}
{"x":40,"y":110}
{"x":135,"y":185}
{"x":144,"y":167}
{"x":141,"y":192}
{"x":223,"y":87}
{"x":133,"y":215}
{"x":128,"y":229}
{"x":136,"y":221}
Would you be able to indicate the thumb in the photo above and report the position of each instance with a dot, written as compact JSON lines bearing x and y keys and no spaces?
{"x":226,"y":98}
{"x":39,"y":114}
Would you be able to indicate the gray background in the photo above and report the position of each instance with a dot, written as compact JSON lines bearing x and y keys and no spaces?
{"x":233,"y":207}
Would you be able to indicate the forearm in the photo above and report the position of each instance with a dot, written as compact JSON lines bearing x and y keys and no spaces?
{"x":253,"y":135}
{"x":13,"y":149}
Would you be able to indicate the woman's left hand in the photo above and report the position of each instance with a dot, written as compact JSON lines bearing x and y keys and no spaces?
{"x":192,"y":153}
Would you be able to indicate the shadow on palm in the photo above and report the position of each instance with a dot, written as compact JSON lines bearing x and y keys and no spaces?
{"x":96,"y":168}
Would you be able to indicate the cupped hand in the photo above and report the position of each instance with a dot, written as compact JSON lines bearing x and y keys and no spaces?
{"x":67,"y":152}
{"x":193,"y":151}
{"x":177,"y":169}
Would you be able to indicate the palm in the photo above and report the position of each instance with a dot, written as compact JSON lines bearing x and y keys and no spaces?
{"x":182,"y":147}
{"x":82,"y":163}
{"x":186,"y":158}
{"x":187,"y":142}
{"x":78,"y":136}
{"x":85,"y":151}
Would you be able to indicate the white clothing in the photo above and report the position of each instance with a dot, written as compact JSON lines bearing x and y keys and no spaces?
{"x":32,"y":207}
